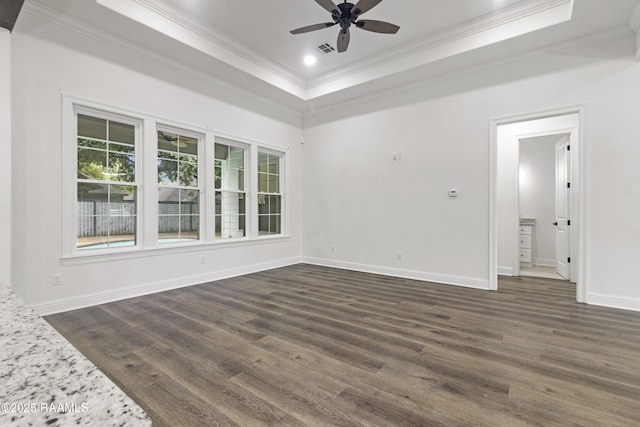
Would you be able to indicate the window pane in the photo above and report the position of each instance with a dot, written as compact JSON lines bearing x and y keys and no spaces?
{"x":121,"y":132}
{"x":236,"y":157}
{"x":263,"y":161}
{"x":188,"y":171}
{"x":221,"y":152}
{"x":121,"y":167}
{"x":182,"y":149}
{"x":263,"y":204}
{"x":167,"y":171}
{"x":188,"y":145}
{"x":274,"y":204}
{"x":274,"y":184}
{"x":167,"y":141}
{"x":122,"y":148}
{"x":178,"y":215}
{"x":92,"y":143}
{"x":92,"y":164}
{"x":229,"y":167}
{"x":92,"y":127}
{"x":263,"y":224}
{"x":217,"y":176}
{"x":243,"y":225}
{"x":232,"y":207}
{"x":218,"y":203}
{"x":241,"y":204}
{"x":106,"y":216}
{"x":241,"y":181}
{"x":274,"y":164}
{"x":236,"y":168}
{"x":263,"y":180}
{"x":218,"y":226}
{"x":274,"y":224}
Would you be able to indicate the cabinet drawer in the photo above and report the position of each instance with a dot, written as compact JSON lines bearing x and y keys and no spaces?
{"x":525,"y":229}
{"x":525,"y":255}
{"x":525,"y":241}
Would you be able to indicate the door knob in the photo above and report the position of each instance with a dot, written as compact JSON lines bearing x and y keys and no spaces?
{"x":555,"y":223}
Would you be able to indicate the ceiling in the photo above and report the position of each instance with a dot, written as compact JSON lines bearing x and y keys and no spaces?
{"x":247,"y":42}
{"x":9,"y":11}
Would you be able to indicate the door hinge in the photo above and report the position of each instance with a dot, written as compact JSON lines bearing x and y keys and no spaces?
{"x":568,"y":148}
{"x":569,"y":222}
{"x":569,"y":260}
{"x":568,"y":185}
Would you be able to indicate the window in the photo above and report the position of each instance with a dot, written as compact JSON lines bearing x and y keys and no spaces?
{"x":178,"y":187}
{"x":106,"y":183}
{"x":132,"y":183}
{"x":229,"y":179}
{"x":269,"y":194}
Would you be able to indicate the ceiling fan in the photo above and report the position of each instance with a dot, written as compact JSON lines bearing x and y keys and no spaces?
{"x":346,"y":14}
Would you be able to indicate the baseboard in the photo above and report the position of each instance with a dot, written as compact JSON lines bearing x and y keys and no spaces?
{"x":468,"y":282}
{"x":614,"y":301}
{"x":82,"y":301}
{"x":505,"y":271}
{"x":546,"y":262}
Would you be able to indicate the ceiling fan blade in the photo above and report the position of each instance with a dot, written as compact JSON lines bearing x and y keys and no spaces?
{"x":343,"y":40}
{"x":313,"y":27}
{"x":362,"y":6}
{"x":377,"y":26}
{"x":329,"y":6}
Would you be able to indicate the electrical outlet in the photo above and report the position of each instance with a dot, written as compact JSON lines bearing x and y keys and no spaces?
{"x":57,"y":279}
{"x":333,"y":249}
{"x":399,"y":255}
{"x":203,"y":259}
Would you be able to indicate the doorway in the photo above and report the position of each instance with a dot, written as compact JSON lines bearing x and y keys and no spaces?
{"x":504,"y":213}
{"x":543,"y":206}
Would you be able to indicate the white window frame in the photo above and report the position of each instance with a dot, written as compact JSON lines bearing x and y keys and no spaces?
{"x":247,"y":187}
{"x":70,"y":175}
{"x":146,"y":127}
{"x":200,"y":188}
{"x":282,"y":168}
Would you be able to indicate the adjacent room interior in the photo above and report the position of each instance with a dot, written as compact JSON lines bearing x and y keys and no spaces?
{"x":286,"y":213}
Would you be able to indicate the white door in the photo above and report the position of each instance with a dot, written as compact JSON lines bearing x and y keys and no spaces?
{"x":562,"y":208}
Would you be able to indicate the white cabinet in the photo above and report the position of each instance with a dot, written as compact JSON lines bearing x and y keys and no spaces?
{"x":526,"y":232}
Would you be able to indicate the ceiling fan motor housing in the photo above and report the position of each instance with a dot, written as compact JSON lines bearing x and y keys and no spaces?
{"x":346,"y":18}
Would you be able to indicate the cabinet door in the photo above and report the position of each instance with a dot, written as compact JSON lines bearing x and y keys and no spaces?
{"x":525,"y":229}
{"x":525,"y":241}
{"x":525,"y":255}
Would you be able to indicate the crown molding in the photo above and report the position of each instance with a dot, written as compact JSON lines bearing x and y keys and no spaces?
{"x":72,"y":24}
{"x":634,"y":25}
{"x":502,"y":24}
{"x":501,"y":63}
{"x":513,"y":21}
{"x":634,"y":19}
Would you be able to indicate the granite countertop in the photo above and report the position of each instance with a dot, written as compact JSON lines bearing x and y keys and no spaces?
{"x":45,"y":381}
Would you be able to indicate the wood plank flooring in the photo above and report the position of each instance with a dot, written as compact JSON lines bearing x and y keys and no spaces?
{"x":314,"y":346}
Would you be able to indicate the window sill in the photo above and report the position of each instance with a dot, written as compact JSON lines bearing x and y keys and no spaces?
{"x":133,"y":253}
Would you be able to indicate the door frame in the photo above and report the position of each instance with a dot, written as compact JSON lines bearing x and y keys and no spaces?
{"x":580,"y":149}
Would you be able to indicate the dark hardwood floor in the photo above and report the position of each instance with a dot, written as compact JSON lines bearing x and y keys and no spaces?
{"x":308,"y":345}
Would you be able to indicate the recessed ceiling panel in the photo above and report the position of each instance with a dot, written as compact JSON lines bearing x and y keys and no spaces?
{"x":264,"y":26}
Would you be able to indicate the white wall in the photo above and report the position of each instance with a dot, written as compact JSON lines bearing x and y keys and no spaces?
{"x":537,"y":193}
{"x":47,"y":60}
{"x":358,"y":199}
{"x":5,"y":158}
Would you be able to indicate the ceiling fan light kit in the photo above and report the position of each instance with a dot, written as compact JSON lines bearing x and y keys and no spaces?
{"x":347,"y":14}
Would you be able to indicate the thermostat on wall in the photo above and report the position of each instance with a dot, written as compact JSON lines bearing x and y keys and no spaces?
{"x":453,"y":193}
